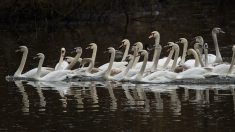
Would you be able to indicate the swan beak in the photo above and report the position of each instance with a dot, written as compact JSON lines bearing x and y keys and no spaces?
{"x":222,"y":31}
{"x":18,"y":50}
{"x":177,"y":42}
{"x":150,"y":36}
{"x":106,"y":51}
{"x":121,"y":46}
{"x":168,"y":49}
{"x":88,"y":47}
{"x":35,"y":57}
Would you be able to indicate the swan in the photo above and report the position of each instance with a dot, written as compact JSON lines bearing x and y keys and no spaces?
{"x":139,"y":75}
{"x":93,"y":46}
{"x":200,"y":43}
{"x":118,"y":65}
{"x":232,"y":62}
{"x":30,"y":73}
{"x":195,"y":72}
{"x":126,"y":43}
{"x":214,"y":33}
{"x":62,"y":64}
{"x":62,"y":74}
{"x":157,"y":50}
{"x":161,"y":76}
{"x":226,"y":69}
{"x":139,"y":46}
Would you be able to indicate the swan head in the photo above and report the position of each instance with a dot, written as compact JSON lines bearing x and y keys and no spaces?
{"x":142,"y":52}
{"x":85,"y":61}
{"x":124,"y":43}
{"x":39,"y":55}
{"x":78,"y":49}
{"x":139,"y":45}
{"x":182,"y":41}
{"x":199,"y":39}
{"x":110,"y":50}
{"x":154,"y":34}
{"x":190,"y":51}
{"x":69,"y":59}
{"x":129,"y":57}
{"x":91,"y":46}
{"x":63,"y":51}
{"x":233,"y":48}
{"x":22,"y":49}
{"x":217,"y":30}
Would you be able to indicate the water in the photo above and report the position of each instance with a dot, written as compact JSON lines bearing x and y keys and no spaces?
{"x":108,"y":106}
{"x":111,"y":106}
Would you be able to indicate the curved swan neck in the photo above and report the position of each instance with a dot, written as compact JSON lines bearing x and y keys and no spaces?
{"x":108,"y":71}
{"x":91,"y":65}
{"x":22,"y":63}
{"x":177,"y":50}
{"x":128,"y":66}
{"x":184,"y":52}
{"x":71,"y":65}
{"x":195,"y":55}
{"x":157,"y":41}
{"x":93,"y":57}
{"x":38,"y":74}
{"x":126,"y":51}
{"x":141,"y":72}
{"x":231,"y":65}
{"x":206,"y":56}
{"x":217,"y":52}
{"x":158,"y":49}
{"x":140,"y":47}
{"x":168,"y":58}
{"x":199,"y":57}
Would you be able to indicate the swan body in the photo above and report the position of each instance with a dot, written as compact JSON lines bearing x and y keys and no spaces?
{"x":31,"y":73}
{"x":62,"y":74}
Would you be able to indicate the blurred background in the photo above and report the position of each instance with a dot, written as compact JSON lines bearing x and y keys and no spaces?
{"x":47,"y":25}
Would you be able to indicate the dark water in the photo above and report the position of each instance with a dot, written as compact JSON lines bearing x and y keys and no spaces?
{"x":105,"y":106}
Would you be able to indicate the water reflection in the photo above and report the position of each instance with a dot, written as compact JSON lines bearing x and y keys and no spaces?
{"x":144,"y":103}
{"x":25,"y":98}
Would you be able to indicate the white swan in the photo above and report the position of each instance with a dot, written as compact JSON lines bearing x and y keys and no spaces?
{"x":118,"y":65}
{"x":157,"y":50}
{"x":62,"y":74}
{"x":195,"y":72}
{"x":61,"y":65}
{"x":93,"y":46}
{"x":126,"y":43}
{"x":214,"y":33}
{"x":30,"y":73}
{"x":164,"y":75}
{"x":200,"y":43}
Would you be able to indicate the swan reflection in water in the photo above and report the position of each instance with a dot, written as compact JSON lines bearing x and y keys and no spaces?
{"x":136,"y":96}
{"x":25,"y":98}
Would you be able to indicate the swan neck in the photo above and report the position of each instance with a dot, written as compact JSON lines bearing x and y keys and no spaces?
{"x":168,"y":58}
{"x":157,"y":41}
{"x":232,"y":63}
{"x":155,"y":63}
{"x":22,"y":63}
{"x":93,"y":57}
{"x":125,"y":52}
{"x":175,"y":58}
{"x":110,"y":64}
{"x":38,"y":74}
{"x":71,"y":65}
{"x":89,"y":68}
{"x":184,"y":53}
{"x":198,"y":54}
{"x":195,"y":55}
{"x":217,"y":52}
{"x":128,"y":66}
{"x":141,"y":72}
{"x":206,"y":57}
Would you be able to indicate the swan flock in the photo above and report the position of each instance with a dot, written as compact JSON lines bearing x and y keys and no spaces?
{"x":130,"y":68}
